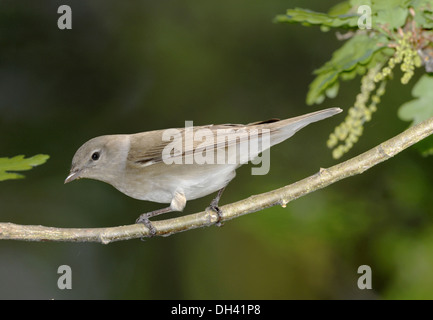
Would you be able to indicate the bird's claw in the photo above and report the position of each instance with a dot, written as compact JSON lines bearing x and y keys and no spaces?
{"x":143,"y":219}
{"x":219,"y":212}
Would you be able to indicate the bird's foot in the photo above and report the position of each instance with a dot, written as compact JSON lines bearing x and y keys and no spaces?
{"x":214,"y":207}
{"x":144,"y":219}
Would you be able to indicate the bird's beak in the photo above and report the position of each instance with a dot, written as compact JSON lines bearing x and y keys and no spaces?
{"x":73,"y":175}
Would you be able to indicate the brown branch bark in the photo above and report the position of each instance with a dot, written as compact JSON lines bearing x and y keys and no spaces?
{"x":280,"y":196}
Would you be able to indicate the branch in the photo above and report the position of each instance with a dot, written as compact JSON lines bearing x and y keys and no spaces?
{"x":281,"y":196}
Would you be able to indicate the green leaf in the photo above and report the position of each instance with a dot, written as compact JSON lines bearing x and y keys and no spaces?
{"x":393,"y":18}
{"x":420,"y":109}
{"x":308,"y":17}
{"x":390,"y":13}
{"x":19,"y":163}
{"x":346,"y":62}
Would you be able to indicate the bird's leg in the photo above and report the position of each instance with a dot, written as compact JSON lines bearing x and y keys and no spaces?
{"x":178,"y":203}
{"x":144,"y":219}
{"x":214,"y":206}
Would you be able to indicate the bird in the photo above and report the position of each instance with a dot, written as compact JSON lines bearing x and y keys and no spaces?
{"x":180,"y":164}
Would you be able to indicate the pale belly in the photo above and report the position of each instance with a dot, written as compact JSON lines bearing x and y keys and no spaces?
{"x":161,"y":183}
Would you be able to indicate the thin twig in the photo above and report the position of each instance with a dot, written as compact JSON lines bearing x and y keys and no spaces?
{"x":281,"y":196}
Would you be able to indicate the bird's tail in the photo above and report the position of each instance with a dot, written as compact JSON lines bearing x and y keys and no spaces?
{"x":281,"y":130}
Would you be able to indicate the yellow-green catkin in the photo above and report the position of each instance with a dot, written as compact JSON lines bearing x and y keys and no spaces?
{"x":352,"y":128}
{"x":405,"y":55}
{"x":367,"y":100}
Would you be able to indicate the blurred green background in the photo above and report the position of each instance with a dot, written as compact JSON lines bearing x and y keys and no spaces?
{"x":132,"y":66}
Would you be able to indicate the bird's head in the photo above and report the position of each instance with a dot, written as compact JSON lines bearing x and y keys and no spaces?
{"x":100,"y":158}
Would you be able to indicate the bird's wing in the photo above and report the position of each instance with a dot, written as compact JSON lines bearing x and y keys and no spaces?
{"x":151,"y":147}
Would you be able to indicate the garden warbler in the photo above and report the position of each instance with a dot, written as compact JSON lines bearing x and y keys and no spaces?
{"x":176,"y":165}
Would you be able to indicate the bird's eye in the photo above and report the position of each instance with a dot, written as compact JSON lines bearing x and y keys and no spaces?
{"x":95,"y":156}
